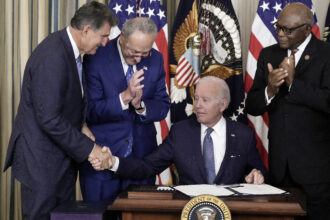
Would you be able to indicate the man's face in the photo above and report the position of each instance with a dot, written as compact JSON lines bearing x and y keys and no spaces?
{"x":208,"y":105}
{"x":291,"y":30}
{"x":136,"y":46}
{"x":92,"y":40}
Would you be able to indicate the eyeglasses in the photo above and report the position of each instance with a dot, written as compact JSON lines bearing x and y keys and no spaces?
{"x":138,"y":53}
{"x":287,"y":31}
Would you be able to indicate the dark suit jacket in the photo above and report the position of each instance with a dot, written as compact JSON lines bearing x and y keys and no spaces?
{"x":46,"y":137}
{"x":112,"y":126}
{"x":299,"y":120}
{"x":183,"y":148}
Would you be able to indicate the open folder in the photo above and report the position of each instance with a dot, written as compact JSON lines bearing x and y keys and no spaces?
{"x":229,"y":190}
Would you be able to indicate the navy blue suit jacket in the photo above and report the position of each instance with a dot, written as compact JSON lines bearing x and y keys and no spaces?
{"x":112,"y":126}
{"x":46,"y":137}
{"x":183,"y":148}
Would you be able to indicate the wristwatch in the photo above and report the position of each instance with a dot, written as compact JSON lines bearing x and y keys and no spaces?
{"x":142,"y":106}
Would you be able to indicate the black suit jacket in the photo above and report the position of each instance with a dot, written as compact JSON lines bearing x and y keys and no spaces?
{"x":299,"y":120}
{"x":183,"y":148}
{"x":46,"y":137}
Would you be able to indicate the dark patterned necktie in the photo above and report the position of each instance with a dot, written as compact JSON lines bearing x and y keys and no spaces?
{"x":208,"y":155}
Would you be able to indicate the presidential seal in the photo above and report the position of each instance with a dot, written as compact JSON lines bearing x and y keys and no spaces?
{"x":205,"y":207}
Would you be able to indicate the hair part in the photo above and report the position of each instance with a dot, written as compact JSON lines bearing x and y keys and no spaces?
{"x":142,"y":24}
{"x":94,"y":14}
{"x":224,"y":92}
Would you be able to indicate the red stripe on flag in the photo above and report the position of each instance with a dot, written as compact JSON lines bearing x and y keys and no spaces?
{"x":248,"y":82}
{"x":316,"y":31}
{"x":255,"y":46}
{"x":161,"y":43}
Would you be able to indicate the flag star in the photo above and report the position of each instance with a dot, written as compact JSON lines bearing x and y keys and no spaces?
{"x":274,"y":21}
{"x":129,"y":9}
{"x":141,"y":11}
{"x":234,"y":117}
{"x":240,"y":110}
{"x":264,"y":6}
{"x":161,"y":14}
{"x":277,"y":7}
{"x":150,"y":12}
{"x":117,"y":8}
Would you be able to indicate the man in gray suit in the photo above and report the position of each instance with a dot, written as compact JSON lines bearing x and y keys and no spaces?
{"x":47,"y":138}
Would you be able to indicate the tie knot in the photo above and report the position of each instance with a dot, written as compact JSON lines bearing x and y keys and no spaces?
{"x":209,"y":131}
{"x":294,"y":51}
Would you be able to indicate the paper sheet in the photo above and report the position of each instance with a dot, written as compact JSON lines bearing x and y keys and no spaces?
{"x":229,"y":190}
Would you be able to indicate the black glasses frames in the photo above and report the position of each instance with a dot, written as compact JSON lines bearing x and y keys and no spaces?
{"x":287,"y":31}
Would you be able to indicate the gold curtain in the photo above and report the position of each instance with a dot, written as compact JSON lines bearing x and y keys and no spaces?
{"x":23,"y":24}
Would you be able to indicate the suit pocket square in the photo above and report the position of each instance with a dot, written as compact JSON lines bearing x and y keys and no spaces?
{"x":235,"y":156}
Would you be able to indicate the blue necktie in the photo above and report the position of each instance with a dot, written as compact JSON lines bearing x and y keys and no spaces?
{"x":79,"y":67}
{"x":129,"y":73}
{"x":208,"y":155}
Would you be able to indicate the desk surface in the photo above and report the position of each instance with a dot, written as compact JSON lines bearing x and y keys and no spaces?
{"x":284,"y":205}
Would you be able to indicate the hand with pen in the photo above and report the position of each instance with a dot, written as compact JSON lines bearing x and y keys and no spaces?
{"x":255,"y":177}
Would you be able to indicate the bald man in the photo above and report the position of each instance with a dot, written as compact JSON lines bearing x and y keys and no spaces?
{"x":292,"y":84}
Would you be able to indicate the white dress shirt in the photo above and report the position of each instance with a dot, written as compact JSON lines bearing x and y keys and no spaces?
{"x":219,"y":141}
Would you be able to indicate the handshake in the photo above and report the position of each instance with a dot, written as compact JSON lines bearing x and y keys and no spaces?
{"x":101,"y":158}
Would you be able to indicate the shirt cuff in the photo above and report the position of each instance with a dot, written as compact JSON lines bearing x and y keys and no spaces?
{"x":114,"y":168}
{"x":123,"y":106}
{"x":144,"y":113}
{"x":268,"y":100}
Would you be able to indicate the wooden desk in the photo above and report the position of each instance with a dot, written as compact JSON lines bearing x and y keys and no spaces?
{"x":283,"y":207}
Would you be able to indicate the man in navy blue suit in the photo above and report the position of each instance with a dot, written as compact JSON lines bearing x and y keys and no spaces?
{"x":48,"y":136}
{"x":126,"y":95}
{"x":234,"y":156}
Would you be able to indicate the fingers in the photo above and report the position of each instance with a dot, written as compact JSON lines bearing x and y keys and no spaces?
{"x":255,"y":177}
{"x":270,"y":67}
{"x":86,"y":131}
{"x":100,"y":158}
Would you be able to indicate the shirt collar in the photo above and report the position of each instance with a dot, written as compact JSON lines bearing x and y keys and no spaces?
{"x":303,"y":45}
{"x":73,"y":43}
{"x":218,"y":127}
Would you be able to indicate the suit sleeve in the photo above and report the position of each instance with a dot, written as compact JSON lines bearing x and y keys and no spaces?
{"x":102,"y":105}
{"x":49,"y":84}
{"x":254,"y":160}
{"x":157,"y":104}
{"x":256,"y":100}
{"x":152,"y":164}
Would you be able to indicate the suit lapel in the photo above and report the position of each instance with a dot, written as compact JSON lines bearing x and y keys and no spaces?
{"x":197,"y":150}
{"x":230,"y":147}
{"x":306,"y":56}
{"x":70,"y":57}
{"x":115,"y":67}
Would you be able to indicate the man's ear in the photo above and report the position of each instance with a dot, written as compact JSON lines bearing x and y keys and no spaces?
{"x":224,"y":104}
{"x":85,"y":29}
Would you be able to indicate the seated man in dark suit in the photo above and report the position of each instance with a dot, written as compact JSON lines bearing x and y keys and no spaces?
{"x":209,"y":150}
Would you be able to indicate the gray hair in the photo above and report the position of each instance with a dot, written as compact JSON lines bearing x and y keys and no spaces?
{"x":94,"y":14}
{"x":143,"y":24}
{"x":224,"y":92}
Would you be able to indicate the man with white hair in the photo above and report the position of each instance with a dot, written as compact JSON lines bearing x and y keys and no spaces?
{"x":206,"y":149}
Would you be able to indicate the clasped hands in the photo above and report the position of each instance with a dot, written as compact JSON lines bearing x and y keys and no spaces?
{"x":134,"y":92}
{"x":101,"y":156}
{"x":284,"y":74}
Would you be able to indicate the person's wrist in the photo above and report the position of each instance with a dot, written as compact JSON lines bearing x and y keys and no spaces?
{"x":141,"y":107}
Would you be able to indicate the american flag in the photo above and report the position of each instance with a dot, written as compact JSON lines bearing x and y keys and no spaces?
{"x":126,"y":9}
{"x":263,"y":34}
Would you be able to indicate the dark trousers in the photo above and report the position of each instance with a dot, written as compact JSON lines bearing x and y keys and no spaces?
{"x":38,"y":203}
{"x":317,"y":197}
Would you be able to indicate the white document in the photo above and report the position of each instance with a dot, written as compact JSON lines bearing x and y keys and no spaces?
{"x":229,"y":190}
{"x":262,"y":189}
{"x":202,"y":189}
